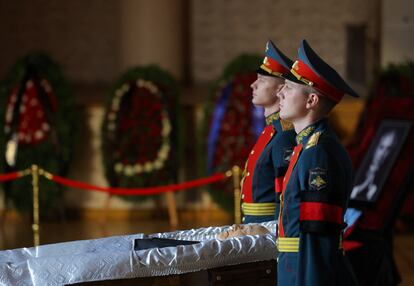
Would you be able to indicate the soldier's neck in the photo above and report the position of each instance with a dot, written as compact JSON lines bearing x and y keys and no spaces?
{"x":270,"y":110}
{"x":302,"y":123}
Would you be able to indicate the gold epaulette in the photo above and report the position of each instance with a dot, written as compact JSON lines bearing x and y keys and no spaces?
{"x":286,"y":125}
{"x":304,"y":133}
{"x":313,"y":140}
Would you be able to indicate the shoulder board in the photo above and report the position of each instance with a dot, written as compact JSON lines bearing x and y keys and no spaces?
{"x":313,"y":140}
{"x":286,"y":125}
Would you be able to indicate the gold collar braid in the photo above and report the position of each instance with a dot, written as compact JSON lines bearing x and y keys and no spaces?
{"x":304,"y":133}
{"x":272,"y":117}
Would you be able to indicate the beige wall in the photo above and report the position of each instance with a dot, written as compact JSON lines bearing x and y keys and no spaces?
{"x":222,"y":30}
{"x":93,"y":40}
{"x":397,"y":37}
{"x":81,"y":35}
{"x":151,"y":33}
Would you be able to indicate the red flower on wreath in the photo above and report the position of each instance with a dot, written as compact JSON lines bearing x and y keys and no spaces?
{"x":32,"y":125}
{"x":140,"y":129}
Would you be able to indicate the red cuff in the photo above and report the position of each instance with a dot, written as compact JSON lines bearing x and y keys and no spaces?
{"x":320,"y":212}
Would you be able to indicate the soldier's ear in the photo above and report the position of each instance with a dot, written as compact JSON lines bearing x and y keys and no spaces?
{"x":312,"y":101}
{"x":277,"y":90}
{"x":279,"y":85}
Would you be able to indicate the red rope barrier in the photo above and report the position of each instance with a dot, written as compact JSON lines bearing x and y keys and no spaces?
{"x":10,"y":176}
{"x":138,"y":191}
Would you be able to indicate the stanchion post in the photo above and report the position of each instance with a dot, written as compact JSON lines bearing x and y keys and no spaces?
{"x":106,"y":209}
{"x":172,"y":209}
{"x":35,"y":184}
{"x":236,"y":184}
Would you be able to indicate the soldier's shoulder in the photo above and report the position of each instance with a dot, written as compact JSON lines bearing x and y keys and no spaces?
{"x":314,"y":156}
{"x":317,"y":146}
{"x":323,"y":146}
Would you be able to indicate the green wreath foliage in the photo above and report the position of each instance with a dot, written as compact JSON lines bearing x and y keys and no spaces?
{"x":55,"y":153}
{"x":169,"y":91}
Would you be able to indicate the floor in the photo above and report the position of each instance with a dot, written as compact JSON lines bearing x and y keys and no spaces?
{"x":16,"y":233}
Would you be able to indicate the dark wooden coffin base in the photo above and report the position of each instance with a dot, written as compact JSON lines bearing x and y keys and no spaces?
{"x":262,"y":273}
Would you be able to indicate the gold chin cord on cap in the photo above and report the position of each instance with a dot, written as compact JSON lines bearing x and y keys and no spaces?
{"x":264,"y":67}
{"x":293,"y":70}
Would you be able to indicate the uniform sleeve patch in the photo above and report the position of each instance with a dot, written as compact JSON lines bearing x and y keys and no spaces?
{"x":318,"y":179}
{"x":287,"y":154}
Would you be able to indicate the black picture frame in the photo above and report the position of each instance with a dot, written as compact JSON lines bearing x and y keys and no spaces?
{"x":379,"y":161}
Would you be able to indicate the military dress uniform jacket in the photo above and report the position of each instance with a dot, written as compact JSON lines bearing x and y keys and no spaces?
{"x":267,"y":163}
{"x":314,"y":198}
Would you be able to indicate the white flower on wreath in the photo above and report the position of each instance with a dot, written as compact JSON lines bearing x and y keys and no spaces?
{"x":128,"y":170}
{"x":119,"y":167}
{"x":148,"y":167}
{"x":138,"y":168}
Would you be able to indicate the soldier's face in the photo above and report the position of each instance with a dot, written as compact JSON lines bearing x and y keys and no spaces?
{"x":265,"y":90}
{"x":292,"y":101}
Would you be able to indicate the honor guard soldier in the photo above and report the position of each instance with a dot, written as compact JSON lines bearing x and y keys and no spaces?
{"x":269,"y":158}
{"x":318,"y":181}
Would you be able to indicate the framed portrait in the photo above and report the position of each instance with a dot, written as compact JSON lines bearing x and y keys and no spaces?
{"x":379,"y":161}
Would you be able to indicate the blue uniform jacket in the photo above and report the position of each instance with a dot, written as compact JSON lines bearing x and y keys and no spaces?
{"x":273,"y":149}
{"x":316,"y":192}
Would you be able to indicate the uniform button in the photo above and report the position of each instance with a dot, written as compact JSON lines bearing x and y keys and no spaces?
{"x":242,"y":196}
{"x":293,"y":153}
{"x":271,"y":134}
{"x":243,"y":219}
{"x":263,"y":132}
{"x":248,"y":174}
{"x":252,"y":152}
